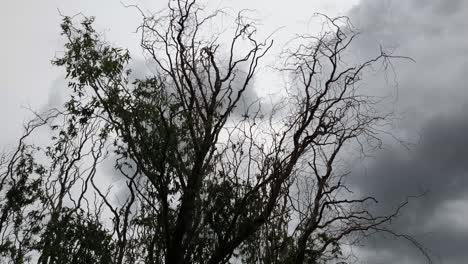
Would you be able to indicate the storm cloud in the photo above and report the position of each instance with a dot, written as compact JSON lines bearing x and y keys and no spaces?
{"x":431,"y":97}
{"x":432,"y":101}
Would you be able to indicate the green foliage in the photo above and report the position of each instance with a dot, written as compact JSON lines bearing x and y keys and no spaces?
{"x":192,"y":181}
{"x":75,"y":239}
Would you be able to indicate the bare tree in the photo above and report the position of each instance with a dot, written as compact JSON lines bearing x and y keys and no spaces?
{"x":201,"y":185}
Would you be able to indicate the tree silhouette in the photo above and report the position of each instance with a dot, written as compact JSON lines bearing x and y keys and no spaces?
{"x":194,"y":181}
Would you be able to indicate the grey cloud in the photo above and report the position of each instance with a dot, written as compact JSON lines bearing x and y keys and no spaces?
{"x":432,"y":99}
{"x":438,"y":165}
{"x":434,"y":37}
{"x":249,"y":101}
{"x":431,"y":95}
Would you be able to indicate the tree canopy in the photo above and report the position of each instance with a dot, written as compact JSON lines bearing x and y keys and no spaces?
{"x":202,"y":174}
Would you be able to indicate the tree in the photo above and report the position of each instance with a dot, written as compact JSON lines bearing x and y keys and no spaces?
{"x":200,"y":183}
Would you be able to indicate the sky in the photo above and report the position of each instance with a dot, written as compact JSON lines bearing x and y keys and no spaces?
{"x":431,"y":97}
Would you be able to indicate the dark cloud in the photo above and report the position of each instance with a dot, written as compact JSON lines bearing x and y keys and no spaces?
{"x":432,"y":99}
{"x":434,"y":37}
{"x":438,"y":165}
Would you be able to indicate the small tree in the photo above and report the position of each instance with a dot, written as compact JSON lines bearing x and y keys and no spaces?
{"x":204,"y":182}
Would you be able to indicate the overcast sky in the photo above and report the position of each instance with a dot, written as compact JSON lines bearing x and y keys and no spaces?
{"x":432,"y":96}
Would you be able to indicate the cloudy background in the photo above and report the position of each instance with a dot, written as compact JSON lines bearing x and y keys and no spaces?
{"x":431,"y":97}
{"x":433,"y":103}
